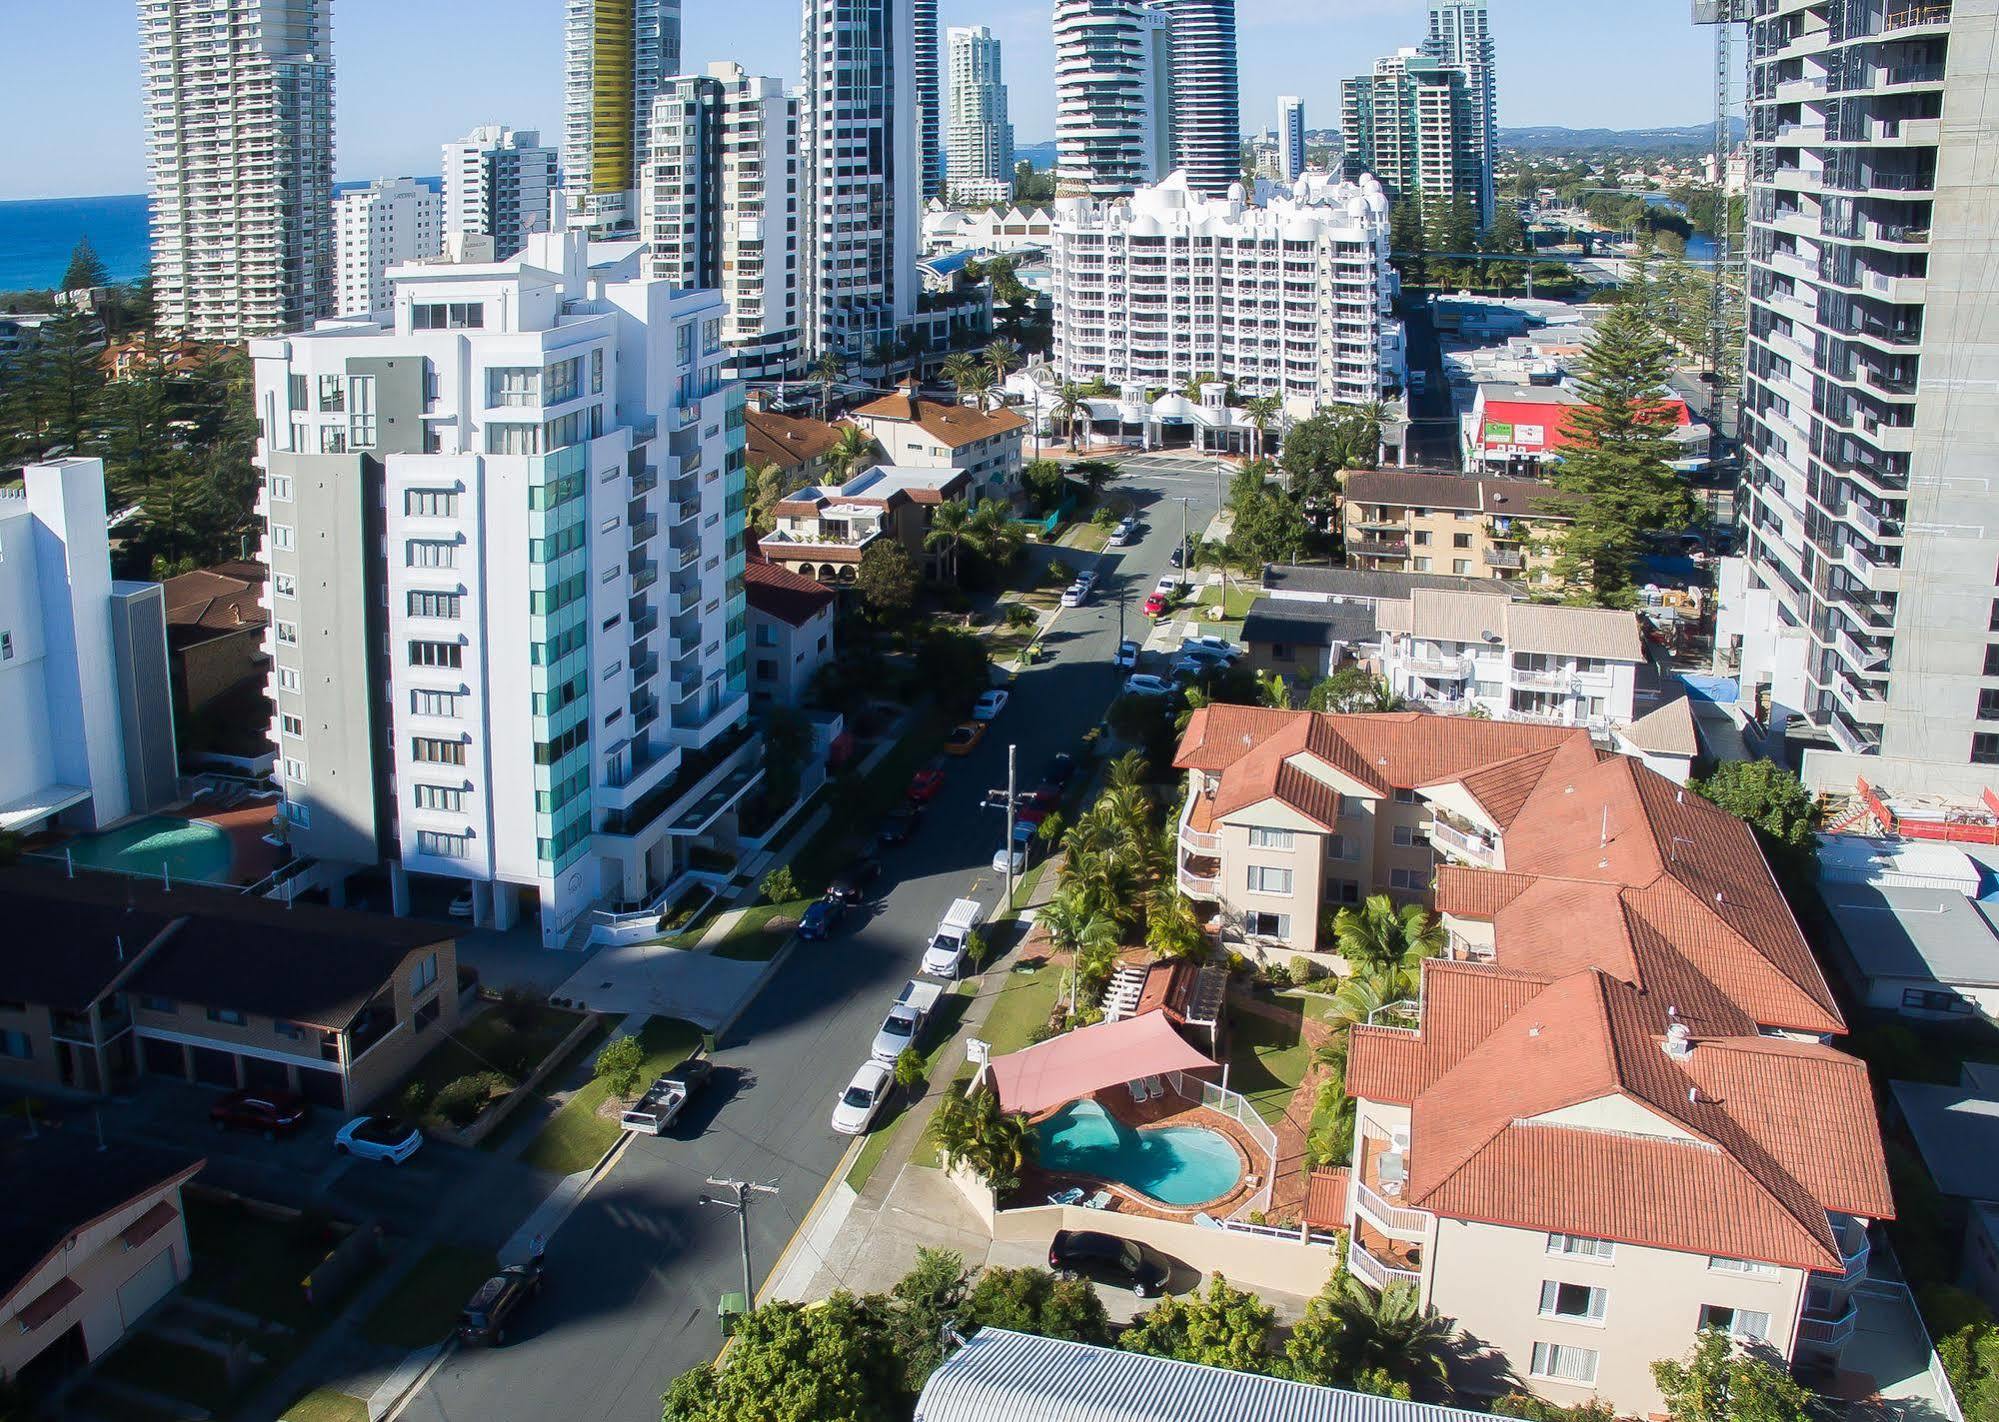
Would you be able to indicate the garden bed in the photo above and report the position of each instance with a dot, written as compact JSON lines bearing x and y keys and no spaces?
{"x":482,"y":1062}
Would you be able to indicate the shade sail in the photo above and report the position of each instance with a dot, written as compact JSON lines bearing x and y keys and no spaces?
{"x":1090,"y":1059}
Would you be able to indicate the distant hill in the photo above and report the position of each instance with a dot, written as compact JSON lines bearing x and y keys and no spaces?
{"x":1041,"y":155}
{"x":1697,"y":136}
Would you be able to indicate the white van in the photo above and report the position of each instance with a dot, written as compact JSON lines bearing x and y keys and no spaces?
{"x":947,"y":945}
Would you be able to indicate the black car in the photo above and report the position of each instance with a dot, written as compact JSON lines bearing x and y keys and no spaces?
{"x":1179,"y":554}
{"x":485,"y":1318}
{"x":1061,"y":770}
{"x":821,"y":919}
{"x":850,"y":887}
{"x":1107,"y":1258}
{"x":900,"y":826}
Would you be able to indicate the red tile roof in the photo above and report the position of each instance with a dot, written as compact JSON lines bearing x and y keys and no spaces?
{"x":946,"y":422}
{"x":780,"y":593}
{"x":1326,"y":1198}
{"x":788,"y":441}
{"x":215,"y":601}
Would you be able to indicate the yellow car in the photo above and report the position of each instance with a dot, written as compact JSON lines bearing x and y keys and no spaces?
{"x":966,"y":738}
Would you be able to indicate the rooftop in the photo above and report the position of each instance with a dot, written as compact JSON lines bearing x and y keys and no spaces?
{"x":1516,"y":498}
{"x":1549,"y":628}
{"x":1311,"y":624}
{"x":213,"y":602}
{"x":1925,"y":935}
{"x":1957,"y":1134}
{"x":947,"y":422}
{"x":58,"y":1182}
{"x":780,"y":593}
{"x":1292,"y":580}
{"x":788,"y":441}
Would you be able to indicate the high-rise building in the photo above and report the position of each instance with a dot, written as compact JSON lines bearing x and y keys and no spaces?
{"x":505,"y":531}
{"x":929,"y":98}
{"x":1290,"y":137}
{"x":1207,"y":118}
{"x":1862,"y":611}
{"x":1461,"y":34}
{"x":862,"y":163}
{"x":979,"y":137}
{"x":239,"y":137}
{"x":1113,"y":97}
{"x":1412,"y":123}
{"x":616,"y":53}
{"x":1158,"y":288}
{"x":391,"y":220}
{"x":718,"y":207}
{"x":496,"y":184}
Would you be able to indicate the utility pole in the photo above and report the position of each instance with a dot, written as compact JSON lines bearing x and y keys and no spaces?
{"x":741,"y":1205}
{"x":1007,"y":850}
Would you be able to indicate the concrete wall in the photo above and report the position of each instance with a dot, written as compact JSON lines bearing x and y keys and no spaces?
{"x":145,"y":694}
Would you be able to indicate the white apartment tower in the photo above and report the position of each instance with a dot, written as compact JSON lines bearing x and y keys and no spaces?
{"x":1864,"y":614}
{"x":930,"y":98}
{"x":390,"y":221}
{"x":862,"y":162}
{"x":505,"y":533}
{"x":1290,"y":137}
{"x":979,"y":137}
{"x":497,"y":182}
{"x":1113,"y":97}
{"x":719,"y":208}
{"x":616,"y":53}
{"x":1290,"y":298}
{"x":1412,"y":122}
{"x":1207,"y":118}
{"x":239,"y":136}
{"x":1461,"y":35}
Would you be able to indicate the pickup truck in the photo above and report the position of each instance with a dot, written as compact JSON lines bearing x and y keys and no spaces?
{"x":661,"y":1106}
{"x":947,"y":945}
{"x":903,"y":1027}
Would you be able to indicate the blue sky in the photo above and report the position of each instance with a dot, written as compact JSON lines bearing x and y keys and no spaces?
{"x":414,"y":73}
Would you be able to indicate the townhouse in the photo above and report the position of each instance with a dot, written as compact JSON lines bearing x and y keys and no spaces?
{"x":797,"y":444}
{"x":916,"y":433}
{"x":791,"y":633}
{"x":823,"y":531}
{"x":1464,"y":526}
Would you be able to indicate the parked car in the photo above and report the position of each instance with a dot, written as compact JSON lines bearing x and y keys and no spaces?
{"x":1172,"y":585}
{"x":1018,"y":858}
{"x":1061,"y":770}
{"x":1144,"y":685}
{"x":274,"y":1113}
{"x":1047,"y":795}
{"x":924,"y":785}
{"x":1157,"y":605}
{"x":387,"y":1138}
{"x":1030,"y":814}
{"x":1126,"y":530}
{"x":1178,"y":558}
{"x":965,"y":738}
{"x":1189,"y":670}
{"x":858,"y":1105}
{"x":900,"y":825}
{"x":1209,"y":645}
{"x":821,"y":919}
{"x":1087,"y":580}
{"x":1125,"y":658}
{"x":1108,"y":1259}
{"x":461,"y":906}
{"x":668,"y":1097}
{"x":484,"y":1319}
{"x":850,"y":885}
{"x":1075,"y":595}
{"x":946,"y":952}
{"x":903,"y":1027}
{"x":990,"y":704}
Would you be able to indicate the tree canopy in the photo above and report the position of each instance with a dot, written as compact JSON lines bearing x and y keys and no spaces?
{"x":86,"y":269}
{"x":1716,"y":1383}
{"x":1785,"y":815}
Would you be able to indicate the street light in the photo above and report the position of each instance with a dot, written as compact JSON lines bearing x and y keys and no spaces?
{"x":741,"y":1205}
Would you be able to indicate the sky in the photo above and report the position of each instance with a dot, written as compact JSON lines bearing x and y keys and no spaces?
{"x":413,"y":74}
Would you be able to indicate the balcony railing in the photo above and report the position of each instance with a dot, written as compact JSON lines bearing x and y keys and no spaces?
{"x":1392,"y":1218}
{"x":1458,"y":668}
{"x":1200,"y":841}
{"x":1476,"y":848}
{"x":1829,"y":1332}
{"x":1197,"y":886}
{"x":1505,"y":558}
{"x":1378,"y":548}
{"x":1373,"y":1271}
{"x":1543,"y":680}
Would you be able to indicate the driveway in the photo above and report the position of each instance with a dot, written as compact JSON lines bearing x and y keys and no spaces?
{"x":637,"y":1269}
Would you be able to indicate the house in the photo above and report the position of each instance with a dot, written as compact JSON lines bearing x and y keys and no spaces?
{"x":1476,"y":654}
{"x":1519,"y":429}
{"x":797,"y":444}
{"x":822,"y":531}
{"x":1000,"y":1373}
{"x":1956,"y":1133}
{"x":1502,"y":529}
{"x":1928,"y":953}
{"x":205,"y":985}
{"x":1303,"y":641}
{"x":915,"y":433}
{"x":791,"y":632}
{"x":216,"y":661}
{"x":94,"y":1238}
{"x":1666,"y":739}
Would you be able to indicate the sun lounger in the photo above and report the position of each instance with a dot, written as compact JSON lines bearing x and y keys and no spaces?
{"x":1072,"y":1195}
{"x":1137,"y":1090}
{"x":1099,"y":1201}
{"x":1154,"y":1087}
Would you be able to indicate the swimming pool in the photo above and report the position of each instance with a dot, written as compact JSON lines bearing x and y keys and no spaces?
{"x":1176,"y":1165}
{"x":191,"y":850}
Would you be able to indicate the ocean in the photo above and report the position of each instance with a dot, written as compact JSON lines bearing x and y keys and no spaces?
{"x":36,"y":238}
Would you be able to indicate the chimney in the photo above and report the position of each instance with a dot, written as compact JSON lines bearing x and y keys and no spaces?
{"x":1679,"y":1043}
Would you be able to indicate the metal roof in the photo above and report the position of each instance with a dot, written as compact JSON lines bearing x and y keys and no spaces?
{"x":1002,"y":1376}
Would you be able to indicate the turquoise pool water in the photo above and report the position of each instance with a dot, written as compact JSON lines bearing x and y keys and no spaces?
{"x":193,"y":850}
{"x":1176,"y":1165}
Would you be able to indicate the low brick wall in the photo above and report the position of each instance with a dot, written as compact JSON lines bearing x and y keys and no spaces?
{"x":490,"y":1119}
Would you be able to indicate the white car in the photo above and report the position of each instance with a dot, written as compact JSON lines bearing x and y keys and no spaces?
{"x":1192,"y":669}
{"x":1075,"y":595}
{"x":989,"y":705}
{"x":1087,"y":580}
{"x":862,"y":1100}
{"x":1143,"y":685}
{"x":1126,"y":656}
{"x":1210,"y":646}
{"x":461,"y":907}
{"x":379,"y":1138}
{"x":1019,"y":857}
{"x":1122,"y":534}
{"x":898,"y":1030}
{"x":1169,"y":586}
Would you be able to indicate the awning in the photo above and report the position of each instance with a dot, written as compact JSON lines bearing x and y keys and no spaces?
{"x":48,"y":1304}
{"x":1090,"y":1059}
{"x":31,"y":809}
{"x":149,"y":1224}
{"x":1326,"y":1199}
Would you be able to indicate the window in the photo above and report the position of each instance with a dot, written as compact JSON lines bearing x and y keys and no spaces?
{"x":436,"y":654}
{"x":429,"y":750}
{"x":284,"y":584}
{"x":433,"y":703}
{"x":1267,"y":925}
{"x":448,"y":316}
{"x":1931,"y":1000}
{"x":1263,"y":879}
{"x":1460,"y":540}
{"x":281,"y":486}
{"x":228,"y":1016}
{"x":439,"y":797}
{"x":1405,"y":797}
{"x":1745,"y":1323}
{"x":281,"y":536}
{"x":332,"y":395}
{"x":1988,"y":704}
{"x":425,"y":971}
{"x":560,"y":381}
{"x":1414,"y":880}
{"x":1343,"y":891}
{"x":288,"y":633}
{"x":597,"y":371}
{"x":362,"y":421}
{"x":287,"y":678}
{"x":159,"y":1004}
{"x":1753,"y":1268}
{"x":430,"y":503}
{"x":513,"y":439}
{"x":16,"y":1045}
{"x":430,"y":553}
{"x":1344,"y":848}
{"x":332,"y":439}
{"x":1269,"y":838}
{"x":1579,"y":1303}
{"x":1985,"y":748}
{"x":1577,"y":1246}
{"x":1420,"y":538}
{"x":512,"y":385}
{"x":1992,"y":661}
{"x":289,"y":1029}
{"x":1409,"y":837}
{"x":294,"y":768}
{"x":1564,"y":1362}
{"x":6,"y":646}
{"x":291,"y":725}
{"x":444,"y":846}
{"x":433,"y":604}
{"x":1461,"y":565}
{"x":1422,"y":565}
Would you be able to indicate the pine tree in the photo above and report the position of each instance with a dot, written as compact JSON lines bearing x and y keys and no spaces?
{"x":86,"y":268}
{"x":53,"y":387}
{"x":1616,"y":462}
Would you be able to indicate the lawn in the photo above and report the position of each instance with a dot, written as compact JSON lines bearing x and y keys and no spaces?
{"x":194,"y":1375}
{"x":255,"y":1264}
{"x":751,"y":939}
{"x":491,"y":1042}
{"x":1086,"y":537}
{"x":576,"y":1137}
{"x":421,"y":1309}
{"x":1023,"y":1006}
{"x":583,"y":1051}
{"x":1268,"y":1056}
{"x":323,"y":1404}
{"x":950,"y":1012}
{"x":1241,"y":595}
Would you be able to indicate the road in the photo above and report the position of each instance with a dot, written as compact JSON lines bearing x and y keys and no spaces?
{"x":636,"y":1271}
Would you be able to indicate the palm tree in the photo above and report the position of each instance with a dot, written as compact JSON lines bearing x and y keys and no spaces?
{"x":949,"y":528}
{"x":1068,"y":407}
{"x":1097,"y":955}
{"x":993,"y":533}
{"x":1379,"y":936}
{"x":973,"y":1131}
{"x":827,"y":372}
{"x":1002,"y":356}
{"x":852,"y":446}
{"x":959,"y":367}
{"x":1128,"y":772}
{"x":1371,"y":416}
{"x":1063,"y":921}
{"x":1361,"y":998}
{"x":1171,"y":929}
{"x":1262,"y":410}
{"x":1274,"y":690}
{"x":977,"y":384}
{"x":1395,"y":1334}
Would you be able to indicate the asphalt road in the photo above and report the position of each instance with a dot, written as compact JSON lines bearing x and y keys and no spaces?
{"x":636,"y":1271}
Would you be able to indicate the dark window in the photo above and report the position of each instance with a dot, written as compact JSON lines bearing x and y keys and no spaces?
{"x":1985,"y":748}
{"x":228,"y":1015}
{"x":427,"y":1014}
{"x":1992,"y":661}
{"x":1988,"y":704}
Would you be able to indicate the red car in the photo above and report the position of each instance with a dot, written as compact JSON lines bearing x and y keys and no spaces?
{"x":924,"y":785}
{"x":1156,"y":605}
{"x":275,"y":1113}
{"x":1030,"y":814}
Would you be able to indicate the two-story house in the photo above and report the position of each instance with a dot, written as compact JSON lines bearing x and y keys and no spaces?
{"x":1455,"y":524}
{"x":915,"y":433}
{"x":823,"y":531}
{"x":791,"y":632}
{"x":797,"y":444}
{"x":1467,"y":653}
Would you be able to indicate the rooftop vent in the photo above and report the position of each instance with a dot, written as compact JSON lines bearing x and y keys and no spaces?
{"x":1679,"y":1043}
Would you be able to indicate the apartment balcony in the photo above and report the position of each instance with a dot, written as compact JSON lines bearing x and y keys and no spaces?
{"x":1504,"y":558}
{"x":643,"y":670}
{"x":1380,"y":1260}
{"x":1463,"y":845}
{"x":1854,"y":1249}
{"x":1867,"y":706}
{"x":644,"y":625}
{"x":1915,"y":14}
{"x":1829,"y":1332}
{"x":1871,"y":523}
{"x":643,"y":530}
{"x":1197,"y":835}
{"x":1200,"y":878}
{"x":1385,"y":549}
{"x":1437,"y":668}
{"x":1864,"y":658}
{"x":1875,"y":577}
{"x":1555,"y":680}
{"x":644,"y":575}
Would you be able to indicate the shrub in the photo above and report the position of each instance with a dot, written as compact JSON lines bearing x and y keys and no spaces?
{"x":414,"y":1102}
{"x":619,"y":1064}
{"x":779,"y":887}
{"x":908,"y":1068}
{"x":976,"y":949}
{"x":1059,"y":574}
{"x":1303,"y":969}
{"x":1277,"y":975}
{"x":1041,"y":1033}
{"x":519,"y":1008}
{"x":461,"y":1101}
{"x":1019,"y":614}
